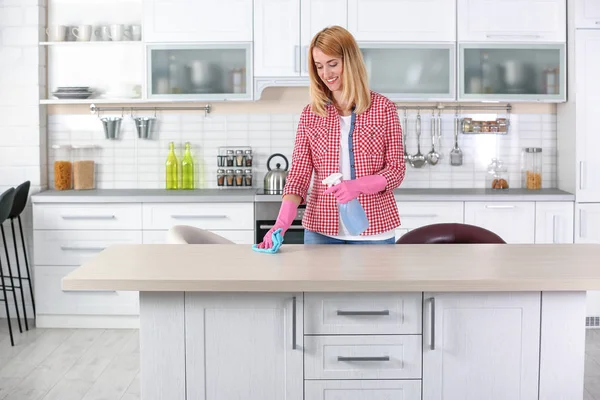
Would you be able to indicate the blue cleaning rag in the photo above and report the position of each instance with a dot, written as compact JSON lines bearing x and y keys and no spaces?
{"x":277,"y":242}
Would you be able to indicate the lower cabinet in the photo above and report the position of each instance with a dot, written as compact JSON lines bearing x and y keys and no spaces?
{"x":481,"y":345}
{"x":244,"y":346}
{"x":514,"y":222}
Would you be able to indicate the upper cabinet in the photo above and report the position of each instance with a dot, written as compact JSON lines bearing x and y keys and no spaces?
{"x":283,"y":30}
{"x":197,"y":21}
{"x":411,"y":71}
{"x":512,"y":72}
{"x":513,"y":20}
{"x":587,"y":14}
{"x":402,"y":20}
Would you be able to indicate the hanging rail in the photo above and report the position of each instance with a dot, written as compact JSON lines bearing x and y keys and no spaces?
{"x":95,"y":109}
{"x":440,"y":106}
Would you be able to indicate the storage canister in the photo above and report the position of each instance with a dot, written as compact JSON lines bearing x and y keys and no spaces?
{"x":531,"y":168}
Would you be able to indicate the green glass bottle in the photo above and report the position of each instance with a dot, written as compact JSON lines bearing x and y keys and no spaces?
{"x":187,"y":169}
{"x":171,"y":168}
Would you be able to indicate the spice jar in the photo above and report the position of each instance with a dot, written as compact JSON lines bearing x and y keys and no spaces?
{"x":83,"y":169}
{"x":230,"y":158}
{"x":248,"y":177}
{"x":531,"y":168}
{"x":239,"y":158}
{"x":229,"y":177}
{"x":220,"y":177}
{"x":248,"y":158}
{"x":239,"y":177}
{"x":63,"y":168}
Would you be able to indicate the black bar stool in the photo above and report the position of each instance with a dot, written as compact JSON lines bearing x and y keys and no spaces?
{"x":19,"y":203}
{"x":6,"y":202}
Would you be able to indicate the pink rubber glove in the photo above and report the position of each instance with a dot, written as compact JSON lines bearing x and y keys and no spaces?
{"x":351,"y":189}
{"x":286,"y":216}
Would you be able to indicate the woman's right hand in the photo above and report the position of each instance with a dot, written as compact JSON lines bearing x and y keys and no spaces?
{"x":286,"y":216}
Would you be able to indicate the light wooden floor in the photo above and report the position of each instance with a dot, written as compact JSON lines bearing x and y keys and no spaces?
{"x":103,"y":364}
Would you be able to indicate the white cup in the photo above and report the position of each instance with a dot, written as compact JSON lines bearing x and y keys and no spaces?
{"x":57,"y":33}
{"x":102,"y":33}
{"x":116,"y":32}
{"x":83,"y":33}
{"x":135,"y":32}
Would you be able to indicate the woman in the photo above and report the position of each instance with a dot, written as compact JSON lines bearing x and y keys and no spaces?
{"x":349,"y":129}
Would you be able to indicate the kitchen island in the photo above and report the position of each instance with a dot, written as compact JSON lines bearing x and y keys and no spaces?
{"x":355,"y":322}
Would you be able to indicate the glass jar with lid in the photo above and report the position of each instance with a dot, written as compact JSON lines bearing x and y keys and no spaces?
{"x":500,"y":176}
{"x":84,"y":175}
{"x":63,"y":167}
{"x":531,"y":168}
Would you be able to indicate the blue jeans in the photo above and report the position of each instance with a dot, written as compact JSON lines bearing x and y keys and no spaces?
{"x":311,"y":237}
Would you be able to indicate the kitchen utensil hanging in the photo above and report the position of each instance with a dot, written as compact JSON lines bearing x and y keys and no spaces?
{"x":144,"y":125}
{"x":407,"y":157}
{"x":433,"y":157}
{"x":418,"y":160}
{"x":456,"y":156}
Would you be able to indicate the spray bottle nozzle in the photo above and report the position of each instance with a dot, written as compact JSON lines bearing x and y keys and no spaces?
{"x":332,"y":179}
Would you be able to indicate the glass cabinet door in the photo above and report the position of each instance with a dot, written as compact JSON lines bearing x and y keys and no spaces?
{"x":200,"y":72}
{"x":411,"y":71}
{"x":512,"y":72}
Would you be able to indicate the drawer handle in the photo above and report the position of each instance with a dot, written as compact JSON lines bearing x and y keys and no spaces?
{"x":382,"y":312}
{"x":87,"y":216}
{"x":82,"y":248}
{"x":199,"y":216}
{"x":418,"y":215}
{"x":499,"y":207}
{"x":382,"y":358}
{"x":490,"y":36}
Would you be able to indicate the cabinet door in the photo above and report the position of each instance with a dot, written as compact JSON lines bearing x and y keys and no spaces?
{"x":481,"y":346}
{"x":402,"y":20}
{"x":554,"y":222}
{"x":587,"y":14}
{"x":587,"y":223}
{"x":587,"y":53}
{"x":512,"y":71}
{"x":244,"y":346}
{"x":514,"y":222}
{"x":411,"y":71}
{"x":197,"y":21}
{"x":276,"y":38}
{"x":512,"y":20}
{"x":316,"y":15}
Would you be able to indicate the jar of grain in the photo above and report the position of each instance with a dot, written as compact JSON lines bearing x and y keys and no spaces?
{"x":84,"y":168}
{"x":63,"y":168}
{"x":531,"y":168}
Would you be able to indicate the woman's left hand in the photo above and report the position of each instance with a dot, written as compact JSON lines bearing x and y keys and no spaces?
{"x":349,"y":190}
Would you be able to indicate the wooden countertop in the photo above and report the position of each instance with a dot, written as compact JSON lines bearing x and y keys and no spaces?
{"x":236,"y":268}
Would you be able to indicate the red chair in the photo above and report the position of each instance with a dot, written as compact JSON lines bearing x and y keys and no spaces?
{"x":449,"y":233}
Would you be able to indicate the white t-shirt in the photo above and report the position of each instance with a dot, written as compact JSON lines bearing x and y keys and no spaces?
{"x":345,"y":122}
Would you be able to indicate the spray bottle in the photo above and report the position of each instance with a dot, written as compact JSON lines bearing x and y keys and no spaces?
{"x":352,"y":213}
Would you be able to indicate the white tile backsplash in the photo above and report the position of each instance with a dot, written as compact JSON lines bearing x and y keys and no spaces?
{"x":133,"y":163}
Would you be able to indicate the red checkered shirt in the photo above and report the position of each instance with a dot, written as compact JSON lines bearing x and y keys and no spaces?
{"x":377,"y":142}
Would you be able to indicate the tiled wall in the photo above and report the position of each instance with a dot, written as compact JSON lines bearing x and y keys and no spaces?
{"x":22,"y":120}
{"x":133,"y":163}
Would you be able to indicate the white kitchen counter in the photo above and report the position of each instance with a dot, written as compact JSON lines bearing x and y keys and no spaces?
{"x":250,"y":195}
{"x":416,"y":321}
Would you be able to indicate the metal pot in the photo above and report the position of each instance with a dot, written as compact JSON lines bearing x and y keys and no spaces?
{"x":275,"y":178}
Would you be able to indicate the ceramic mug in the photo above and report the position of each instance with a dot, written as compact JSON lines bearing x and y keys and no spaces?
{"x":82,"y":33}
{"x":57,"y":33}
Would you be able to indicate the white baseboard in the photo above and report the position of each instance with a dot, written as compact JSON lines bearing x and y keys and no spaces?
{"x":88,"y":321}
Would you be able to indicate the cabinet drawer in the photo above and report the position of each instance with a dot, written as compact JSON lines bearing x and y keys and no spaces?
{"x":239,"y":237}
{"x":51,"y":299}
{"x":514,"y":222}
{"x":360,"y":390}
{"x":75,"y":247}
{"x":416,"y":214}
{"x":87,"y":216}
{"x":362,"y":357}
{"x":212,"y":216}
{"x":362,"y":313}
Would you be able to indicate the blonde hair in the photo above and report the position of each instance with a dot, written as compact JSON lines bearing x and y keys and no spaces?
{"x":337,"y":42}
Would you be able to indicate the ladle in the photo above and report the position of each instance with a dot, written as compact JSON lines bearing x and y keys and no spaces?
{"x":418,"y":160}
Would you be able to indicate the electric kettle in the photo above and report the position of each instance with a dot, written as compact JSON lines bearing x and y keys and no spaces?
{"x":275,"y":178}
